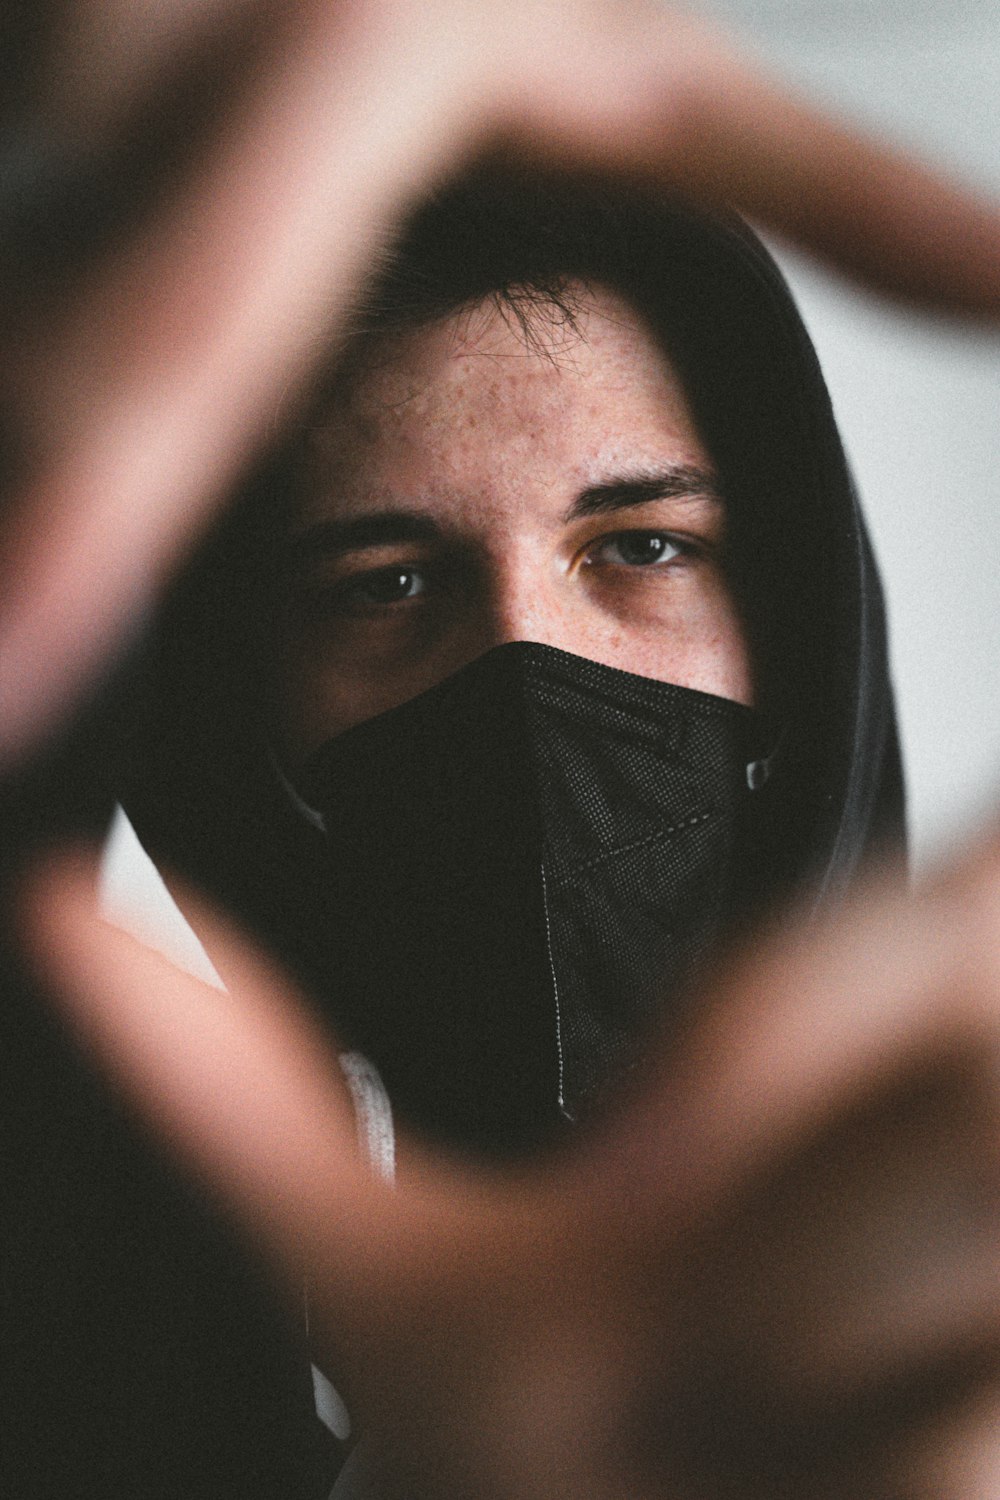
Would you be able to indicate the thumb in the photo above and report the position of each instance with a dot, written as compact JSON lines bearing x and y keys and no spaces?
{"x":411,"y":1286}
{"x":239,"y":1084}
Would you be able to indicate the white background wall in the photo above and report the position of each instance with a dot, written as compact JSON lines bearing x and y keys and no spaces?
{"x":917,"y":401}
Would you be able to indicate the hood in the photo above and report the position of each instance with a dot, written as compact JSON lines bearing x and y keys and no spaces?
{"x":196,"y":777}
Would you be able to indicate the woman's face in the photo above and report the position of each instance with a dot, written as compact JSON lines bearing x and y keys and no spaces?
{"x":478,"y":486}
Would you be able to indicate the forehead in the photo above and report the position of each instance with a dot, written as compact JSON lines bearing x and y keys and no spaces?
{"x":503,"y":388}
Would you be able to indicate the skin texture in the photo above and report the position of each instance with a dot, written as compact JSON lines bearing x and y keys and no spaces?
{"x":488,"y":439}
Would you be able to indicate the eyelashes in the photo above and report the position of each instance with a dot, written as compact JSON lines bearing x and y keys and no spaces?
{"x":381,"y":587}
{"x":638,"y":549}
{"x":373,"y":592}
{"x":385,"y":591}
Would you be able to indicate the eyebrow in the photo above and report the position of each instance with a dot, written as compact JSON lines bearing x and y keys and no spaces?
{"x":676,"y":482}
{"x":335,"y":538}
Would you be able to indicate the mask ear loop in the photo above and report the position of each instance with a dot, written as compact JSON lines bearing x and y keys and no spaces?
{"x":301,"y":806}
{"x":759,"y":771}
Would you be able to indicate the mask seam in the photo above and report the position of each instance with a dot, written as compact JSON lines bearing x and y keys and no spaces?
{"x":652,"y":691}
{"x":650,"y":838}
{"x":560,"y":1057}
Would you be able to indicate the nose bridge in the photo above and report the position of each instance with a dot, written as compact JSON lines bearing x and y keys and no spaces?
{"x":523,"y":601}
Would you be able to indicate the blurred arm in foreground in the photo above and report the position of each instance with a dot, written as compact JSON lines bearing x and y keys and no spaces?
{"x":774,"y":1273}
{"x":235,"y":171}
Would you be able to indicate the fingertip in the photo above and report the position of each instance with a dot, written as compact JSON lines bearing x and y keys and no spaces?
{"x":55,"y":896}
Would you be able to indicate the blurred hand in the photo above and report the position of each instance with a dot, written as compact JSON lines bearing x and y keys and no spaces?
{"x":254,"y":157}
{"x":775,"y":1273}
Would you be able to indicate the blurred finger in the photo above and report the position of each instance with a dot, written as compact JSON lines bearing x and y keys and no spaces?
{"x":650,"y":91}
{"x":958,"y":1458}
{"x":867,"y":1263}
{"x":237,"y":1083}
{"x":819,"y":1019}
{"x":610,"y":1254}
{"x":244,"y":1088}
{"x":410,"y":1290}
{"x":100,"y":60}
{"x":827,"y":1148}
{"x":152,"y":393}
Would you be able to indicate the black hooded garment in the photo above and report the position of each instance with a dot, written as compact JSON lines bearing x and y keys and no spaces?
{"x":172,"y":1376}
{"x":199,"y":783}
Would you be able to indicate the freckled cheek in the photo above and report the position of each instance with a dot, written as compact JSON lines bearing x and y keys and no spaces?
{"x":317,"y":705}
{"x":322,"y":695}
{"x":716,"y":663}
{"x":702,"y":645}
{"x":314,"y":695}
{"x":732,"y":667}
{"x":734,"y":651}
{"x":719,"y":650}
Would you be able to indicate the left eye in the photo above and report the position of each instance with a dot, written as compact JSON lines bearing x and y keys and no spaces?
{"x":637,"y":549}
{"x":381,"y":586}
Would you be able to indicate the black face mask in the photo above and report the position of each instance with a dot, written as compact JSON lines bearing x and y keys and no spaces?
{"x":525,"y":865}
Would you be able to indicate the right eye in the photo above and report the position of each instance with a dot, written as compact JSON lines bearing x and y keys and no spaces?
{"x":367,"y":593}
{"x":382,"y":586}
